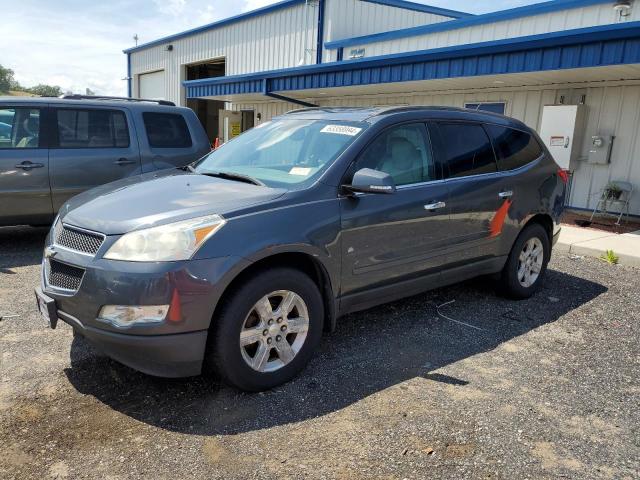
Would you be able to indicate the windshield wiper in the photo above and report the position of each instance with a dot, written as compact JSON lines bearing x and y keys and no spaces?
{"x":187,"y":168}
{"x":235,"y":176}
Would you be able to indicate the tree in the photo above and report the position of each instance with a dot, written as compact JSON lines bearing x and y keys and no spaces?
{"x":7,"y":82}
{"x":46,"y":90}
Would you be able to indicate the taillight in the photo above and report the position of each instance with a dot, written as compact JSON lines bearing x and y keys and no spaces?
{"x":564,"y":175}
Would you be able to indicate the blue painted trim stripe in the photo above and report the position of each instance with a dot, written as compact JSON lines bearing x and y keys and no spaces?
{"x":419,"y":7}
{"x":227,"y":21}
{"x":581,"y":48}
{"x":527,"y":11}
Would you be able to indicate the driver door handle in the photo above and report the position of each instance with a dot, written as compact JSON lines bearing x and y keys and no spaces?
{"x":506,"y":194}
{"x":27,"y":165}
{"x":435,"y":206}
{"x":123,"y":161}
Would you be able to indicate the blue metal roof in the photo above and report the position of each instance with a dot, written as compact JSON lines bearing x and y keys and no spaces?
{"x":469,"y":21}
{"x":616,"y":44}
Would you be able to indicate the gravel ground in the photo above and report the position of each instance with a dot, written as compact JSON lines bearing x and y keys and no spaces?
{"x":545,"y":388}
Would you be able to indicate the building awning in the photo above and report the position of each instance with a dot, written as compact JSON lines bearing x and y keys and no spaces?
{"x":585,"y":48}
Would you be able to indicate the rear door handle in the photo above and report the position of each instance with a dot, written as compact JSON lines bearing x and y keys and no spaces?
{"x":27,"y":165}
{"x":435,"y":206}
{"x":506,"y":194}
{"x":123,"y":161}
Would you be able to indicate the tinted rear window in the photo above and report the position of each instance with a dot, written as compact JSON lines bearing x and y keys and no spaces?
{"x":86,"y":128}
{"x":19,"y":127}
{"x":514,"y":148}
{"x":467,"y":149}
{"x":166,"y":130}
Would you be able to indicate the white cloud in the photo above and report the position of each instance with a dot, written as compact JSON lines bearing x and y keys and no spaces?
{"x":170,"y":7}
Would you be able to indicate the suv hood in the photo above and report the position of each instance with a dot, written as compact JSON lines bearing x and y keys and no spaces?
{"x":160,"y":198}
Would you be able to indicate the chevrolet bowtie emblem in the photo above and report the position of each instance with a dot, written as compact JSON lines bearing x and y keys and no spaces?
{"x":49,"y":252}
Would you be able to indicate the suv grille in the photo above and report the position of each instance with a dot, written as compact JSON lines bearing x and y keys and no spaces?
{"x":78,"y":240}
{"x":64,"y":276}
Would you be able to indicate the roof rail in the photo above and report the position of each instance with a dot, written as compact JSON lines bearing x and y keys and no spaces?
{"x":76,"y":96}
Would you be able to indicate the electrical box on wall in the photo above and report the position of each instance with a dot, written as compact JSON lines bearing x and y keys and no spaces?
{"x":562,"y":131}
{"x":600,"y":149}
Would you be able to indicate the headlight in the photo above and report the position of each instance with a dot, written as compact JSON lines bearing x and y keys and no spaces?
{"x":166,"y":243}
{"x":126,"y":316}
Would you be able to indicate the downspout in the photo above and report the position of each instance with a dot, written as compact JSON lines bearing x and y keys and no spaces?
{"x":321,"y":8}
{"x":129,"y":79}
{"x":267,"y":93}
{"x":290,"y":100}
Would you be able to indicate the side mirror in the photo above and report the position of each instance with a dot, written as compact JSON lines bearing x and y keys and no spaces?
{"x":368,"y":180}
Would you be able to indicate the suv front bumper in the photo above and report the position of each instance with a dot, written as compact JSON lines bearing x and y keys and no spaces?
{"x":177,"y":355}
{"x":172,"y":348}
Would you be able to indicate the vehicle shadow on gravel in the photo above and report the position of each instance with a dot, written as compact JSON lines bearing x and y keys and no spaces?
{"x":21,"y":247}
{"x":369,"y":352}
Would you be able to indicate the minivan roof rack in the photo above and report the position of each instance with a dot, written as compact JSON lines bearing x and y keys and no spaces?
{"x":76,"y":96}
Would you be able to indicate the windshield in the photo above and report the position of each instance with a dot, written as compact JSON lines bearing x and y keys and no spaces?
{"x":283,"y":154}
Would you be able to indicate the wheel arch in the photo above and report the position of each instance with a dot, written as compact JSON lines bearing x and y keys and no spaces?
{"x":543,"y":219}
{"x":299,"y":260}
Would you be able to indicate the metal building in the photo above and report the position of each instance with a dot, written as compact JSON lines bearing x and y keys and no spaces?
{"x":580,"y":54}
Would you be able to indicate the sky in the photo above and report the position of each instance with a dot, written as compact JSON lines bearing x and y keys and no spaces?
{"x":78,"y":44}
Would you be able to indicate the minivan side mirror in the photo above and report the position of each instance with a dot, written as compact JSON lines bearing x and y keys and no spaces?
{"x":368,"y":180}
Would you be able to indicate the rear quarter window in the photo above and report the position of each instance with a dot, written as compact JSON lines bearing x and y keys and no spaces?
{"x":166,"y":130}
{"x":514,"y":148}
{"x":87,"y":128}
{"x":466,"y":149}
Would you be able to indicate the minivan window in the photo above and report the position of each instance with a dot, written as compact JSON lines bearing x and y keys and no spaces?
{"x":166,"y":130}
{"x":514,"y":148}
{"x":92,"y":128}
{"x":403,"y":152}
{"x":287,"y":153}
{"x":19,"y":127}
{"x":467,"y":149}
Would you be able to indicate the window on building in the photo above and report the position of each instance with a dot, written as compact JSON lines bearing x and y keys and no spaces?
{"x":87,"y":128}
{"x":166,"y":130}
{"x":514,"y":148}
{"x":403,"y":152}
{"x":467,"y":149}
{"x":494,"y":107}
{"x":19,"y":127}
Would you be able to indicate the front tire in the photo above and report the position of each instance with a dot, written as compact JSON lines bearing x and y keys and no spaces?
{"x":266,"y":330}
{"x":526,"y":266}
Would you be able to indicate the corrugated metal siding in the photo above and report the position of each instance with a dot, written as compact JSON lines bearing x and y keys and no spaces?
{"x":550,"y":22}
{"x":285,"y":38}
{"x":612,"y":110}
{"x":354,"y":18}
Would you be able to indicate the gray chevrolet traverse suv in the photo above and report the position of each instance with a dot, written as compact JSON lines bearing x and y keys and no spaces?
{"x":54,"y":148}
{"x":239,"y":261}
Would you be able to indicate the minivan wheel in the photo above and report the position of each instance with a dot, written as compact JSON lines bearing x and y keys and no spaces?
{"x":267,"y":330}
{"x":527,"y":263}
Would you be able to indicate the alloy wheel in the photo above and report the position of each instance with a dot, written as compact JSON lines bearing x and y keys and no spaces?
{"x":274,"y":331}
{"x":530,"y":262}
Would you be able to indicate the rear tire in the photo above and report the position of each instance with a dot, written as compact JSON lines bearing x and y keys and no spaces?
{"x":281,"y":306}
{"x":526,"y":266}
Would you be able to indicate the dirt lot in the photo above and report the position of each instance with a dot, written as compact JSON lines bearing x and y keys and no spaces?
{"x":546,"y":388}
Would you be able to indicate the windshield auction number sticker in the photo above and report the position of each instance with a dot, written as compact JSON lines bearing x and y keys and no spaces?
{"x":341,"y":130}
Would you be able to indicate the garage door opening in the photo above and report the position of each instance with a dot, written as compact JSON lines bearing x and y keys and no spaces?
{"x":152,"y":85}
{"x":208,"y":111}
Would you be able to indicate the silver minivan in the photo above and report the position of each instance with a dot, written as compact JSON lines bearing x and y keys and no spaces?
{"x":54,"y":148}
